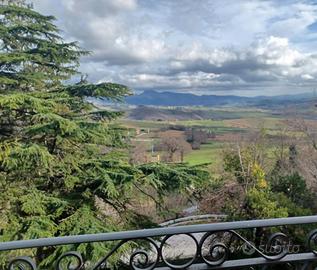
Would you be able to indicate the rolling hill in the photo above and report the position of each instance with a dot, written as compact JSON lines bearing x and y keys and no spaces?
{"x":155,"y":98}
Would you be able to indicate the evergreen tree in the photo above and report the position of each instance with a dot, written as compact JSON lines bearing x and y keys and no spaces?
{"x":63,"y":170}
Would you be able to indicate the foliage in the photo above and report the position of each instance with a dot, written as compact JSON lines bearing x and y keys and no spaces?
{"x":265,"y":196}
{"x":294,"y":187}
{"x":245,"y":163}
{"x":268,"y":204}
{"x":261,"y":204}
{"x":62,"y":167}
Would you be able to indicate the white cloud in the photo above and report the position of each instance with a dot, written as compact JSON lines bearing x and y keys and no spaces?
{"x":193,"y":45}
{"x":98,"y":8}
{"x":276,"y":51}
{"x":307,"y":77}
{"x":264,"y":63}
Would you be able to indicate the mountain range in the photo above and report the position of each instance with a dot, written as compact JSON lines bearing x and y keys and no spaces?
{"x":156,"y":98}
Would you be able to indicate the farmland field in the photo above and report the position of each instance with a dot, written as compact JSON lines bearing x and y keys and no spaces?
{"x":229,"y":126}
{"x":208,"y":153}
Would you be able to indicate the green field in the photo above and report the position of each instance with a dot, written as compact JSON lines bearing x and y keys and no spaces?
{"x":208,"y":153}
{"x":234,"y":125}
{"x":218,"y":126}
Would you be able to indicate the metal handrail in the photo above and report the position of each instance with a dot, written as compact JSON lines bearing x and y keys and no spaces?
{"x":186,"y":220}
{"x":139,"y":234}
{"x":227,"y":235}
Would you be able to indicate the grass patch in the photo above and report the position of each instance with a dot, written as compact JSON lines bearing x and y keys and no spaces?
{"x":208,"y":153}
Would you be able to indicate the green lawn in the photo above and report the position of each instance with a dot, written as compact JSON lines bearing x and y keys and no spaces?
{"x":208,"y":153}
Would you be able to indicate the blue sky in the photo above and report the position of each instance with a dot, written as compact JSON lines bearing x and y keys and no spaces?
{"x":246,"y":47}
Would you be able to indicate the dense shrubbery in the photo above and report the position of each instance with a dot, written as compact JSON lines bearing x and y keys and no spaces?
{"x":263,"y":186}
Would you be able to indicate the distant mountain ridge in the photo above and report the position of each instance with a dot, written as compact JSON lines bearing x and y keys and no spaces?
{"x":156,"y":98}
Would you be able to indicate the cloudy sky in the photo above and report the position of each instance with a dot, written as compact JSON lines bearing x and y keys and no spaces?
{"x":245,"y":47}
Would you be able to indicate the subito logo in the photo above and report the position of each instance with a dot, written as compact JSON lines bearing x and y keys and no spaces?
{"x":247,"y":249}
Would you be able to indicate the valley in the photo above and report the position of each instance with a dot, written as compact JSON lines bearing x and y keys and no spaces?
{"x":229,"y":127}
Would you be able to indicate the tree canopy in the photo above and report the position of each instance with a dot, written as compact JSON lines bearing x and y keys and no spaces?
{"x":63,"y":170}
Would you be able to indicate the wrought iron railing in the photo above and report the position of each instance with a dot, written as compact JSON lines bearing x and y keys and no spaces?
{"x":267,"y":243}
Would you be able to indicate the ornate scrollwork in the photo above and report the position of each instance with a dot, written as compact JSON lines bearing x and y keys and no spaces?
{"x":217,"y":252}
{"x":22,"y":263}
{"x":70,"y":261}
{"x":213,"y":248}
{"x":276,"y":244}
{"x":141,"y":259}
{"x":312,"y":241}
